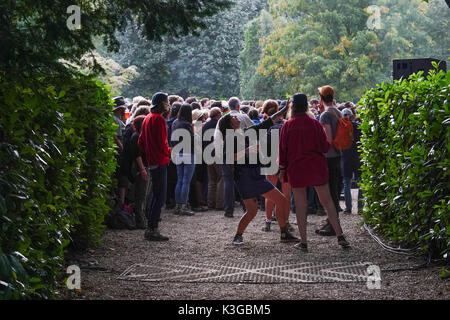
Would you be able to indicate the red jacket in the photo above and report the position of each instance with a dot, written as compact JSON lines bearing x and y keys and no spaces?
{"x":303,"y":143}
{"x":153,"y":140}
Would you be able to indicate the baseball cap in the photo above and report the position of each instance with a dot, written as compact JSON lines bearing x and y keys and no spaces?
{"x":158,"y":98}
{"x":347,"y":112}
{"x":300,"y":99}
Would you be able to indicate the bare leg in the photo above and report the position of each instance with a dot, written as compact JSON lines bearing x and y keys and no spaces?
{"x":252,"y":209}
{"x":301,"y":206}
{"x":324,"y":194}
{"x":269,"y":203}
{"x":286,"y":189}
{"x":280,"y":202}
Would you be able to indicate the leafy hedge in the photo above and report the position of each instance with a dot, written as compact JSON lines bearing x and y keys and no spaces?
{"x":405,"y":171}
{"x":56,"y":163}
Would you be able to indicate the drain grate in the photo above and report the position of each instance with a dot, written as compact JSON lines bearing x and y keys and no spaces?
{"x":307,"y":272}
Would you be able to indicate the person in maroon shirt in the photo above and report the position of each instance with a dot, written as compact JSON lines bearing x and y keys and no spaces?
{"x":155,"y":148}
{"x":303,"y":143}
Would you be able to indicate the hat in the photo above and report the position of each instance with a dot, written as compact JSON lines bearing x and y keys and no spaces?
{"x":120,"y":103}
{"x":158,"y":98}
{"x":300,"y":99}
{"x":197,"y":114}
{"x":347,"y":112}
{"x":326,"y":91}
{"x":226,"y":110}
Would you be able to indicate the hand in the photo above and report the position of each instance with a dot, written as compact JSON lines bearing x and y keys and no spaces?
{"x":144,"y":174}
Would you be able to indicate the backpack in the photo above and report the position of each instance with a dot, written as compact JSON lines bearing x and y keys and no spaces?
{"x":121,"y":219}
{"x":344,"y":134}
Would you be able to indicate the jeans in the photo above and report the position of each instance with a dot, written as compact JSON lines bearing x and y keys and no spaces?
{"x":348,"y":194}
{"x":185,"y":171}
{"x":228,"y":186}
{"x":158,"y":198}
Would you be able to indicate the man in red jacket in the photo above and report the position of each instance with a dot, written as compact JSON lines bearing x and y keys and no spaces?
{"x":155,"y":148}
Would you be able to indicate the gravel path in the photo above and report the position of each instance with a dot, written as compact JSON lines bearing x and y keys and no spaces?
{"x":205,"y":239}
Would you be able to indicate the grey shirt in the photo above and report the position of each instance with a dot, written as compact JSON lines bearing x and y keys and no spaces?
{"x":327,"y":118}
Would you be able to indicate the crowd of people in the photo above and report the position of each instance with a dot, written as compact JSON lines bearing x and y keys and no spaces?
{"x":154,"y":171}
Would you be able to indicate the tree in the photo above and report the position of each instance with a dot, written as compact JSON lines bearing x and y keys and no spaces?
{"x":203,"y":65}
{"x":328,"y":42}
{"x":252,"y":84}
{"x":34,"y":33}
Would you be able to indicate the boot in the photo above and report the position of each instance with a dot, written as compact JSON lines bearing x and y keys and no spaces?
{"x":286,"y":236}
{"x":152,"y":234}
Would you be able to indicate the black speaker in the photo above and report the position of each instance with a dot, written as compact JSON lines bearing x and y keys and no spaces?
{"x":406,"y":67}
{"x":448,"y":3}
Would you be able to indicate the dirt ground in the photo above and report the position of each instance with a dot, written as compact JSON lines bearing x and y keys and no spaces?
{"x":205,"y":239}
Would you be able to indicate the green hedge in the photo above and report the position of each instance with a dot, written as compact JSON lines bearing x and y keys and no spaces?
{"x":57,"y":159}
{"x":405,"y":152}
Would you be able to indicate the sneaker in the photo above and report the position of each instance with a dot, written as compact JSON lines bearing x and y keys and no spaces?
{"x":266,"y":227}
{"x":343,"y":243}
{"x":184,"y":211}
{"x":326,"y":230}
{"x":347,"y":211}
{"x":229,"y":214}
{"x":154,"y":235}
{"x":238,"y":240}
{"x":289,"y":227}
{"x":177,"y":209}
{"x":301,"y":246}
{"x":288,"y":237}
{"x":199,"y":209}
{"x":321,"y":212}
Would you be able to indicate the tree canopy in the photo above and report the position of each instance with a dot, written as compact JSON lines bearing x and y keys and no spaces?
{"x":206,"y":64}
{"x":312,"y":43}
{"x":34,"y":34}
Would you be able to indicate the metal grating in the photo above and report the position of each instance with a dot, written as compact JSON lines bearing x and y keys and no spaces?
{"x":308,"y":272}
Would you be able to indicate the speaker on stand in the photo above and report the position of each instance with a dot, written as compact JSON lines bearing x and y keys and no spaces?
{"x":403,"y":68}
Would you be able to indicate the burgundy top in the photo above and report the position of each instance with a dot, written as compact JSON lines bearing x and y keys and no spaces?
{"x":153,"y":140}
{"x":303,"y":143}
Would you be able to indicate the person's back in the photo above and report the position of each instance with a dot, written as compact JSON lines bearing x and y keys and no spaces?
{"x":180,"y":124}
{"x":153,"y":140}
{"x":328,"y":118}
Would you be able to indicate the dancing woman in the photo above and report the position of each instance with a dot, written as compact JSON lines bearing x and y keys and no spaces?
{"x":251,"y":183}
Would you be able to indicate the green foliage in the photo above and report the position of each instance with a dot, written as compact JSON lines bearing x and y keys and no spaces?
{"x":35,"y":33}
{"x":313,"y":43}
{"x":406,"y":156}
{"x":205,"y":65}
{"x":56,"y":163}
